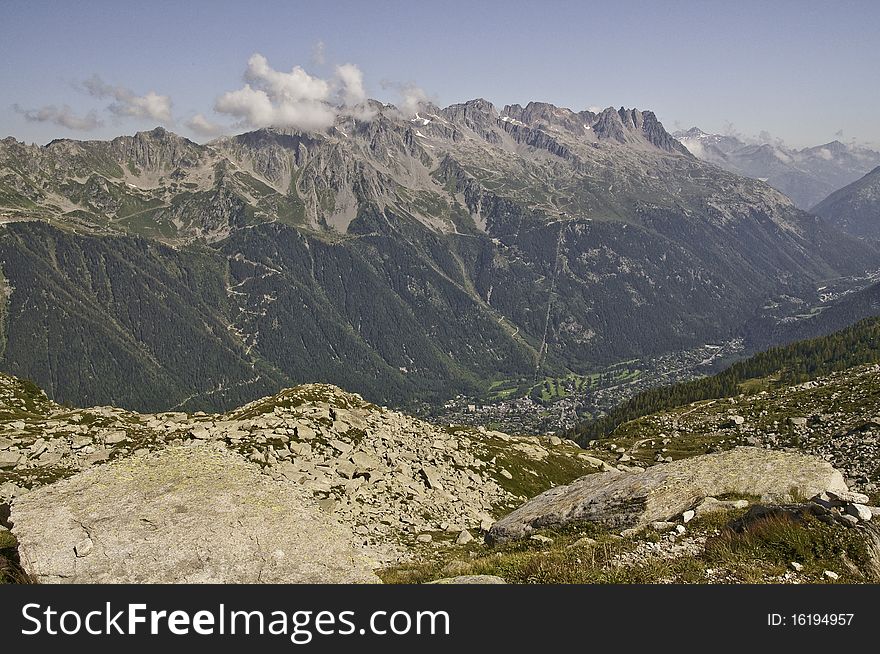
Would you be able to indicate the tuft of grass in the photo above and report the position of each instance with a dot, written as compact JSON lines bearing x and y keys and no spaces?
{"x":10,"y":570}
{"x":7,"y":540}
{"x":785,"y":538}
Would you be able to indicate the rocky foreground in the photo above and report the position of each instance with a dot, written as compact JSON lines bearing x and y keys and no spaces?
{"x":317,"y":485}
{"x":388,"y":481}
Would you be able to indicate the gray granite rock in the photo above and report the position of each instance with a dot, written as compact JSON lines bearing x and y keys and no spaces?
{"x":629,"y":500}
{"x":197,"y":514}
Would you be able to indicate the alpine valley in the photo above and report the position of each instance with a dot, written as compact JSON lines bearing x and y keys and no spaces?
{"x":407,"y":258}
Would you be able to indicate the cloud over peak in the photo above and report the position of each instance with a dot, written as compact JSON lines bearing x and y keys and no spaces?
{"x":204,"y":127}
{"x":294,"y":99}
{"x":267,"y":97}
{"x":127,"y":103}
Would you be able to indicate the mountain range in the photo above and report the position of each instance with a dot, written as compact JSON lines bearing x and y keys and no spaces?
{"x":855,"y":208}
{"x":405,"y":257}
{"x":807,"y":175}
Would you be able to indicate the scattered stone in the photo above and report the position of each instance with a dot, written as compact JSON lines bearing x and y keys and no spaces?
{"x":593,"y":461}
{"x":470,"y":579}
{"x":200,"y":432}
{"x":860,"y":511}
{"x":797,"y":567}
{"x":849,"y":520}
{"x":8,"y":490}
{"x":327,"y":505}
{"x":432,"y":476}
{"x":10,"y":459}
{"x":711,"y":505}
{"x":340,"y":446}
{"x":831,"y":575}
{"x":687,"y":516}
{"x":364,"y":461}
{"x":96,"y":457}
{"x":346,"y":469}
{"x":300,"y":449}
{"x":541,"y":539}
{"x":83,"y":547}
{"x":847,"y":496}
{"x":424,"y":538}
{"x":464,"y":538}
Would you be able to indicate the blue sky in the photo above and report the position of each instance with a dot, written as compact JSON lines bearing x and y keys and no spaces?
{"x":803,"y":71}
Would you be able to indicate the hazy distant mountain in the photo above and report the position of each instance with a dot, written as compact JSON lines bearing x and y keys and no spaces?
{"x":855,"y":209}
{"x":806,"y":176}
{"x":404,"y":257}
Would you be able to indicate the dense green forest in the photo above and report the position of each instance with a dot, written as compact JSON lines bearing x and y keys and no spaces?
{"x":788,"y":364}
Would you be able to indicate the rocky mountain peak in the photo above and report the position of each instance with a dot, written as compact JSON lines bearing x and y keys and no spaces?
{"x":693,"y":132}
{"x":632,"y":125}
{"x":481,"y":104}
{"x":537,"y":114}
{"x":631,"y":118}
{"x":609,"y":125}
{"x":156,"y":149}
{"x":477,"y":111}
{"x":835,"y":146}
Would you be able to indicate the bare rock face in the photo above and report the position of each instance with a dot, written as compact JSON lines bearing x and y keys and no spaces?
{"x":630,"y":500}
{"x":198,"y":514}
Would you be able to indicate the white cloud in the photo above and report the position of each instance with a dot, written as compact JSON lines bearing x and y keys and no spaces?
{"x":351,"y":81}
{"x":63,"y":116}
{"x":127,"y":103}
{"x":151,"y":105}
{"x":204,"y":127}
{"x":254,"y":107}
{"x":295,"y":86}
{"x":247,"y":104}
{"x":294,"y":99}
{"x":412,"y":99}
{"x":694,"y":147}
{"x":782,"y":156}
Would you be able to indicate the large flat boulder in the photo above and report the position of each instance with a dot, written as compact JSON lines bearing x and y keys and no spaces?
{"x":198,"y":514}
{"x":621,"y":500}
